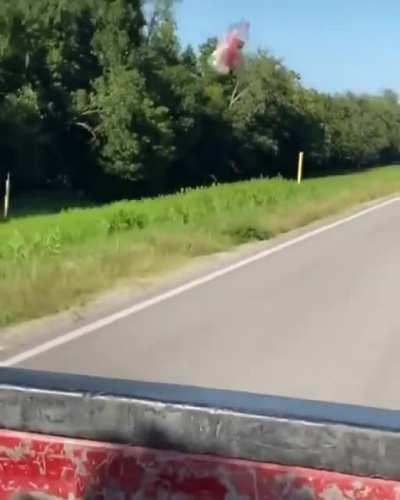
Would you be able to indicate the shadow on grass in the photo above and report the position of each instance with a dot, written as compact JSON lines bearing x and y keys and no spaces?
{"x":342,"y":171}
{"x":46,"y":203}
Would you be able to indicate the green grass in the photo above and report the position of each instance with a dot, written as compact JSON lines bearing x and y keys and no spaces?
{"x":51,"y":262}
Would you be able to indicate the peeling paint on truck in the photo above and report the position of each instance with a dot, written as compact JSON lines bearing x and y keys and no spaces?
{"x":75,"y":469}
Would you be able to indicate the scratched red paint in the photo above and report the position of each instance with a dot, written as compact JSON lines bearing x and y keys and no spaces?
{"x":70,"y":468}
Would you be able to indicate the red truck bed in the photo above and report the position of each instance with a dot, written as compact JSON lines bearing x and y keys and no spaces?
{"x":88,"y":438}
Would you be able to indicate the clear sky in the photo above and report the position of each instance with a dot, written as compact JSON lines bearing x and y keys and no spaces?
{"x":335,"y":45}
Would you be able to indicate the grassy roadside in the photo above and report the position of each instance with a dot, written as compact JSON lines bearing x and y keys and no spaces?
{"x":48,"y":263}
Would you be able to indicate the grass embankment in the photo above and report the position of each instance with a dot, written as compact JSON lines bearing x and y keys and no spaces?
{"x":48,"y":263}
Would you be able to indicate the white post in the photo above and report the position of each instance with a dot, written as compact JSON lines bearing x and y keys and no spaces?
{"x":7,"y":197}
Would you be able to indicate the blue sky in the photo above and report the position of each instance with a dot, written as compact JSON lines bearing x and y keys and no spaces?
{"x":335,"y":45}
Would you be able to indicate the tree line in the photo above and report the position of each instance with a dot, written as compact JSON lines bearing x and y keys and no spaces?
{"x":100,"y":96}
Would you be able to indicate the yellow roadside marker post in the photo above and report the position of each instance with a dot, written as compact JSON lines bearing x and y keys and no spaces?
{"x":300,"y":168}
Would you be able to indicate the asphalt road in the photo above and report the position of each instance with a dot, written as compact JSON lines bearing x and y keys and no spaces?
{"x":318,"y":320}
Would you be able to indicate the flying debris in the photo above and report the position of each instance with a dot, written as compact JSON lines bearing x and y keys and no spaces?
{"x":228,"y":54}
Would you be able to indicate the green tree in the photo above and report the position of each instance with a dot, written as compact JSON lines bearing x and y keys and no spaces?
{"x":132,"y":134}
{"x":263,"y":116}
{"x":100,"y":95}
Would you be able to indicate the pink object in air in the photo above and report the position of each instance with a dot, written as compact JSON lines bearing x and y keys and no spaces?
{"x":228,"y":54}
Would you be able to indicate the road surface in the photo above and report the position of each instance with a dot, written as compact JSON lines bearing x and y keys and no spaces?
{"x":319,"y":319}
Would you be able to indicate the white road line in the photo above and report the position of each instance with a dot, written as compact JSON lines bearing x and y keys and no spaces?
{"x":108,"y":320}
